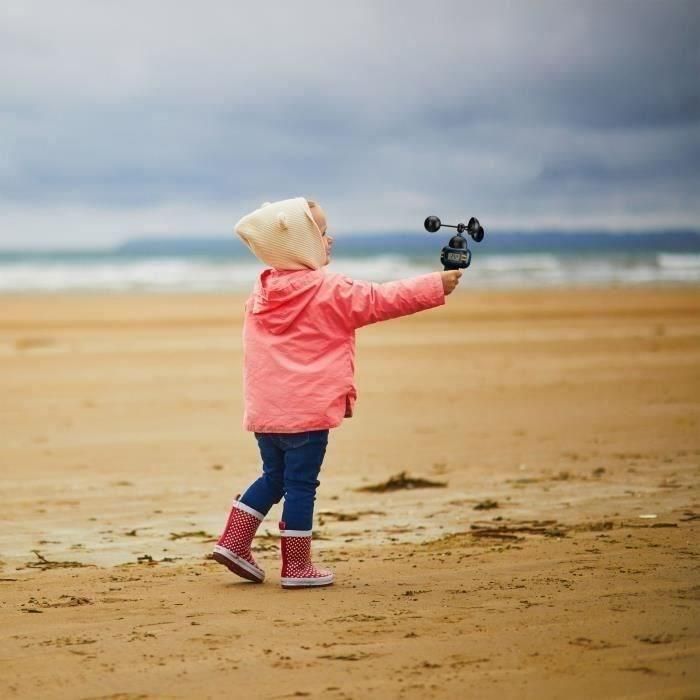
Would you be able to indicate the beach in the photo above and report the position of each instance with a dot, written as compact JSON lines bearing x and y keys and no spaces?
{"x":512,"y":511}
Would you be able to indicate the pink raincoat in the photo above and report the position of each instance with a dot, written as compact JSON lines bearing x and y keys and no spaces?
{"x":299,"y":343}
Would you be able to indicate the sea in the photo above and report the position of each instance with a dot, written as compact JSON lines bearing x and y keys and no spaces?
{"x":506,"y":261}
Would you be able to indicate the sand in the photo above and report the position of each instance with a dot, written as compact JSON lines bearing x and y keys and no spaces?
{"x":559,"y":558}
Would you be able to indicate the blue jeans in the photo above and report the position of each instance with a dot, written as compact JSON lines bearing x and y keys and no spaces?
{"x":291,"y":464}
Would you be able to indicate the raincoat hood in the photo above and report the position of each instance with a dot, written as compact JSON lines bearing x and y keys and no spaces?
{"x":280,"y":296}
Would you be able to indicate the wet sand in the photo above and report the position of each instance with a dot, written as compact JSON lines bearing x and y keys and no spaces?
{"x":556,"y":557}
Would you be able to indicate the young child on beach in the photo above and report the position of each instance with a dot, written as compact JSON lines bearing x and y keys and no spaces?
{"x":299,"y":353}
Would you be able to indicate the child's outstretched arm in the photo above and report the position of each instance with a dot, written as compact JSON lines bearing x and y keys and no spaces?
{"x":361,"y":303}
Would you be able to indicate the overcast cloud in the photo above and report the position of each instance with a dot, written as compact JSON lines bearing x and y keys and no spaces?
{"x":128,"y":118}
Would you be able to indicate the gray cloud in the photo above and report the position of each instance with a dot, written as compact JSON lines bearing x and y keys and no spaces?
{"x":545,"y":111}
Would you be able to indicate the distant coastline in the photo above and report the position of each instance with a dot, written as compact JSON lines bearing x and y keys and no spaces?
{"x":413,"y":244}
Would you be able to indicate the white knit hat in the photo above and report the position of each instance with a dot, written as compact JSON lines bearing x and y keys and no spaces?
{"x":284,"y":235}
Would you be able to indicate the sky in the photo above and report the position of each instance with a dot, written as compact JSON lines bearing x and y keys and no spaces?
{"x":169,"y":118}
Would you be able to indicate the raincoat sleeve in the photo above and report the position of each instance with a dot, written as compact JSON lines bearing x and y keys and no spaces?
{"x":361,"y":303}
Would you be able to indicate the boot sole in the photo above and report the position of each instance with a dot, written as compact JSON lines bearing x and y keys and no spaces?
{"x":237,"y":565}
{"x":289,"y":582}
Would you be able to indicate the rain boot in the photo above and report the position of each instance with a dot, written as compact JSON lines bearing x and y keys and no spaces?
{"x":233,"y":548}
{"x":297,"y":568}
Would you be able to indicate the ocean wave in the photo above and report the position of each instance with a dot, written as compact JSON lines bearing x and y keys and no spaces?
{"x":116,"y":276}
{"x":516,"y":263}
{"x":674,"y":261}
{"x":183,"y":274}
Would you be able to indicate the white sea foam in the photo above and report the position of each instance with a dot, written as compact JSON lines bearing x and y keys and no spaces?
{"x":519,"y":263}
{"x":198,"y":274}
{"x":687,"y":261}
{"x":152,"y":275}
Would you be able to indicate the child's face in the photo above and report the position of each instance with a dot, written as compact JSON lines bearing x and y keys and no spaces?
{"x":320,"y":218}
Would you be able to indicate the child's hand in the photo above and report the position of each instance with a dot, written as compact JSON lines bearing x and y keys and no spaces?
{"x":450,"y":279}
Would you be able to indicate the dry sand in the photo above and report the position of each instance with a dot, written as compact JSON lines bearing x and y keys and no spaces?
{"x":576,"y":413}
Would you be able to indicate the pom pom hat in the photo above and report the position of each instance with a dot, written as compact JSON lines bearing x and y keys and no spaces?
{"x":284,"y":235}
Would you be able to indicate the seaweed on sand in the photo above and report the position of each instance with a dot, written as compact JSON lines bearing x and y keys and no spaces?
{"x":44,"y":564}
{"x":198,"y":534}
{"x":547,"y":528}
{"x":403,"y":481}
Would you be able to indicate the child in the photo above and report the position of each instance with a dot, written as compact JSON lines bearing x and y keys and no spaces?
{"x":299,"y":352}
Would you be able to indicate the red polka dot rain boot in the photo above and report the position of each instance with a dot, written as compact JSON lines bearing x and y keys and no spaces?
{"x":233,"y":548}
{"x":297,"y":569}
